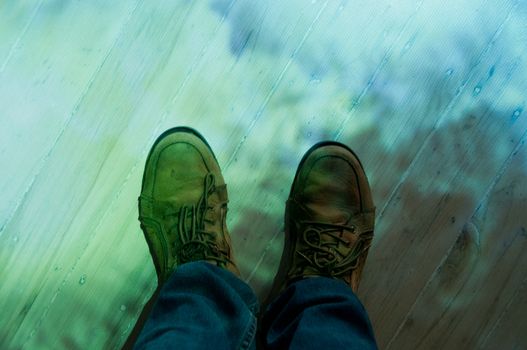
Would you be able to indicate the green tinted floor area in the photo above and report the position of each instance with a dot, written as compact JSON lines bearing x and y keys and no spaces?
{"x":430,"y":95}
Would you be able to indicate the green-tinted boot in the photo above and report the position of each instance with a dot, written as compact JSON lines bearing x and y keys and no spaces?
{"x":183,"y":204}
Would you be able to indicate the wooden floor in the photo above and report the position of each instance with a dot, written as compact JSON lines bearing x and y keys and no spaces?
{"x":430,"y":94}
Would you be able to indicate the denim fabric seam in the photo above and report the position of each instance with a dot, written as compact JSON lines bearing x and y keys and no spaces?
{"x":249,"y":333}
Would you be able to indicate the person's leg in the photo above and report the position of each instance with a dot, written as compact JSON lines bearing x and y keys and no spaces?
{"x":182,"y":211}
{"x":317,"y":313}
{"x":201,"y":306}
{"x":328,"y":231}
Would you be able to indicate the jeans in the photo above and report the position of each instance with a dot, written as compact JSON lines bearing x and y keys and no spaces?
{"x":203,"y":306}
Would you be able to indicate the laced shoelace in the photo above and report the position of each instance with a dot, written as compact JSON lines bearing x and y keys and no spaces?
{"x":195,"y":242}
{"x":324,"y":255}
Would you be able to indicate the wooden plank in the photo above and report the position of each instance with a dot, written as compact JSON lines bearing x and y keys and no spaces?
{"x":314,"y":61}
{"x":15,"y":19}
{"x":509,"y":328}
{"x":426,"y":212}
{"x":478,"y":281}
{"x":43,"y":81}
{"x":86,"y":143}
{"x":410,"y":104}
{"x":100,"y":287}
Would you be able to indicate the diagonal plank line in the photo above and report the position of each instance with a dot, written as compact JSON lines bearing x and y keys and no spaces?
{"x":181,"y":87}
{"x":356,"y":102}
{"x":65,"y":126}
{"x":263,"y":255}
{"x":501,"y":172}
{"x":22,"y":35}
{"x":487,"y":194}
{"x":449,"y":107}
{"x":275,"y":86}
{"x":505,"y":311}
{"x":119,"y":191}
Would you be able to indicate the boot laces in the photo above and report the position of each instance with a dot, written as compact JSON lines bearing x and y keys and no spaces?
{"x":195,"y":242}
{"x":326,"y":249}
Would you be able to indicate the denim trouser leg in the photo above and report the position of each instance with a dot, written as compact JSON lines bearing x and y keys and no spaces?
{"x":317,"y":313}
{"x":205,"y":307}
{"x":201,"y":306}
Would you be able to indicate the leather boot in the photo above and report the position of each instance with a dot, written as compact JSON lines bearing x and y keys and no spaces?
{"x":329,"y":217}
{"x":183,"y":204}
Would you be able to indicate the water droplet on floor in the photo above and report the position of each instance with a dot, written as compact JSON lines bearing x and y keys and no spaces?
{"x":123,"y":307}
{"x":314,"y":79}
{"x":491,"y":71}
{"x":15,"y":239}
{"x":477,"y":90}
{"x":82,"y":280}
{"x":516,"y":114}
{"x":449,"y":72}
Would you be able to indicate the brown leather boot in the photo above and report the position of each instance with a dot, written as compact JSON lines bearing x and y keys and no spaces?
{"x":183,"y":204}
{"x":329,"y":217}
